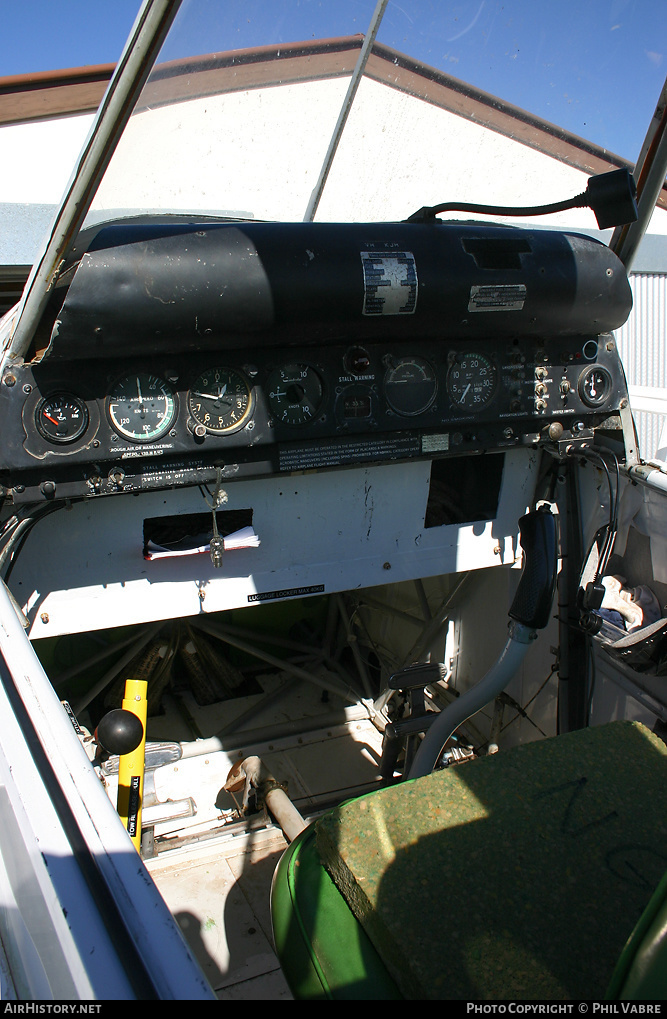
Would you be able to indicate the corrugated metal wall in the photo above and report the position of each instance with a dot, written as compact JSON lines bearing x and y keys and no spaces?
{"x":641,"y":342}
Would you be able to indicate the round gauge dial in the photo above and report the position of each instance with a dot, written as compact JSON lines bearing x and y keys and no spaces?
{"x":61,"y":417}
{"x":471,"y":381}
{"x":595,"y":386}
{"x":220,"y":400}
{"x":410,"y":386}
{"x":295,"y":394}
{"x":141,"y":407}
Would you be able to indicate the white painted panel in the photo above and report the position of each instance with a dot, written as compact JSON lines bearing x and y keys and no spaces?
{"x":83,"y":568}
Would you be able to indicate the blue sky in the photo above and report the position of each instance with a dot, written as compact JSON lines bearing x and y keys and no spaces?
{"x":562,"y":59}
{"x":46,"y":35}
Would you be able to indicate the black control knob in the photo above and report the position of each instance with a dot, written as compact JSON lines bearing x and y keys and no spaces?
{"x":357,"y":361}
{"x":119,"y":732}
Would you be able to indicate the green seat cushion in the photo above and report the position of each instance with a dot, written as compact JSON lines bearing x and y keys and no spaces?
{"x":324,"y":952}
{"x":520,"y":875}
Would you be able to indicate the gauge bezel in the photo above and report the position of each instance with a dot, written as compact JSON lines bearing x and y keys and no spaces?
{"x":392,"y":368}
{"x":455,"y":361}
{"x":235,"y":426}
{"x":168,"y":418}
{"x":608,"y":385}
{"x":274,"y":408}
{"x":67,"y":439}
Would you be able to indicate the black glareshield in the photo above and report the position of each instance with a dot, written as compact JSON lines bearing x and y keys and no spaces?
{"x":534,"y":596}
{"x":174,"y":288}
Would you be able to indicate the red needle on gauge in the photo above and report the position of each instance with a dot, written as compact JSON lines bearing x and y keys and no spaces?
{"x":55,"y":420}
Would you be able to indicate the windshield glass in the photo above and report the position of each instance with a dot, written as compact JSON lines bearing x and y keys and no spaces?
{"x":253,"y":109}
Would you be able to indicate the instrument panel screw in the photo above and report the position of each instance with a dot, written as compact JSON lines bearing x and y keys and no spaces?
{"x":9,"y":380}
{"x":44,"y":617}
{"x":386,"y":566}
{"x":27,"y":388}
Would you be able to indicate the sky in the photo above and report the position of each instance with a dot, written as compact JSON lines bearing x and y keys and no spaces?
{"x":561,"y":59}
{"x":47,"y":35}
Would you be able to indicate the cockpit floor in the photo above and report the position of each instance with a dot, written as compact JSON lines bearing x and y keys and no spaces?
{"x":219,"y":896}
{"x":217,"y":882}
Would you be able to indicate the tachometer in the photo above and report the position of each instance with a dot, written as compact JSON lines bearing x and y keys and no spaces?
{"x":471,"y":381}
{"x":221,"y":400}
{"x":61,"y":418}
{"x":141,"y":407}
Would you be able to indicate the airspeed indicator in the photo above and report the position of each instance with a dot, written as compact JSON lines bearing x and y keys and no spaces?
{"x":141,"y":407}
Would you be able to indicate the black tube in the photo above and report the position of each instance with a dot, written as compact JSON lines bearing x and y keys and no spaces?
{"x":573,"y":668}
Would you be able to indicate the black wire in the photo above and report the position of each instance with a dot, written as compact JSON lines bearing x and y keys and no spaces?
{"x":9,"y":524}
{"x":18,"y":535}
{"x":429,"y":212}
{"x":613,"y":513}
{"x":595,"y":458}
{"x":593,"y":677}
{"x":608,"y":543}
{"x":524,"y":709}
{"x":11,"y":535}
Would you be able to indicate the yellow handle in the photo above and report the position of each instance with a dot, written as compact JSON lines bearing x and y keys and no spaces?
{"x":131,"y":766}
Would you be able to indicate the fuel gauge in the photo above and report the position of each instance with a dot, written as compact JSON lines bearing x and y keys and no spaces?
{"x":61,"y":418}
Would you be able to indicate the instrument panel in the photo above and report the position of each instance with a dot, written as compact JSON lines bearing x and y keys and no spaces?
{"x":102,"y":428}
{"x":171,"y":352}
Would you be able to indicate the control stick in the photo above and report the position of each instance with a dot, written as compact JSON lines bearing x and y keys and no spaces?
{"x":529,"y":612}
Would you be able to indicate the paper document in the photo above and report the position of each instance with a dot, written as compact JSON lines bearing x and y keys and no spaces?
{"x":193,"y":545}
